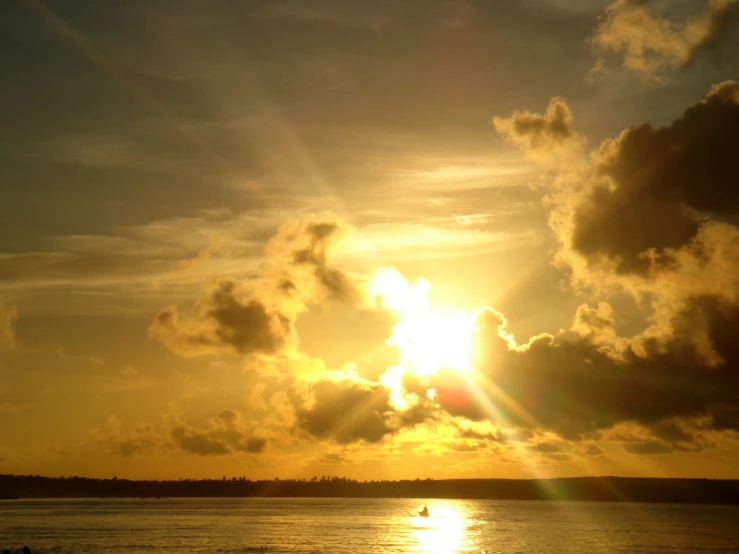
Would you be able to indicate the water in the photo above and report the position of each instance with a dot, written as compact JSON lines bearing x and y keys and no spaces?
{"x":363,"y":525}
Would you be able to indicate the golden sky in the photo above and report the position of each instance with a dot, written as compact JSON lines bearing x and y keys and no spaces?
{"x":376,"y":239}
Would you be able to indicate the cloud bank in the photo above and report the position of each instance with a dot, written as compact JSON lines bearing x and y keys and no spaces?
{"x":225,"y":434}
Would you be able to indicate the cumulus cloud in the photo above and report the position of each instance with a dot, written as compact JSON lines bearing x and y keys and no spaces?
{"x":574,"y":387}
{"x":8,"y":317}
{"x":226,"y":320}
{"x":346,"y":412}
{"x":259,"y":317}
{"x":568,"y":384}
{"x":651,"y":213}
{"x":351,"y":410}
{"x":649,"y":42}
{"x":227,"y":433}
{"x":655,"y":186}
{"x":656,"y":216}
{"x":543,"y":137}
{"x":297,"y":261}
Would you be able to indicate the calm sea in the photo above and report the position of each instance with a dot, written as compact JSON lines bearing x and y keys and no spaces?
{"x":363,"y":525}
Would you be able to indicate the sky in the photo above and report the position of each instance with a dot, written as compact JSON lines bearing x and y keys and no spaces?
{"x":377,"y":239}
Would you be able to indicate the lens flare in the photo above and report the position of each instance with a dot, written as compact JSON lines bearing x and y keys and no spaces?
{"x":428,"y":339}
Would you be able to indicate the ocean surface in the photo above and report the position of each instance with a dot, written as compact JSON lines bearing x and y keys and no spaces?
{"x":363,"y":525}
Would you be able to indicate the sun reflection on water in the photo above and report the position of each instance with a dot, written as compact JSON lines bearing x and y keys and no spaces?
{"x":447,"y":530}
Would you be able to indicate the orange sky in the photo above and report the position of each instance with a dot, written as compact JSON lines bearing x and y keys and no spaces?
{"x":436,"y":238}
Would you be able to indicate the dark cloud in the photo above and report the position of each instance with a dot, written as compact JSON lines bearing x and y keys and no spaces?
{"x":223,"y":321}
{"x":261,"y":320}
{"x":226,"y":434}
{"x":571,"y":386}
{"x":660,"y":183}
{"x":7,"y":330}
{"x":347,"y":411}
{"x":652,"y":213}
{"x":300,"y":254}
{"x":667,"y":436}
{"x":673,"y":431}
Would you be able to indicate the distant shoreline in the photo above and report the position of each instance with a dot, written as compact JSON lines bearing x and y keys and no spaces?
{"x":600,"y":489}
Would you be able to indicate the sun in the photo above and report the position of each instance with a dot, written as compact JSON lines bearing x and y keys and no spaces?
{"x":428,"y":339}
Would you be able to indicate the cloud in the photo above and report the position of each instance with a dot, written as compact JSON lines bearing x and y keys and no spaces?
{"x":569,"y":385}
{"x":297,"y":261}
{"x":551,"y":450}
{"x":236,"y":318}
{"x":227,"y":433}
{"x":8,"y":317}
{"x":653,"y":213}
{"x":142,"y":440}
{"x":351,"y":410}
{"x":223,"y":321}
{"x":649,"y":42}
{"x":654,"y":187}
{"x":650,"y":213}
{"x":332,"y":458}
{"x":346,"y":412}
{"x":547,"y":448}
{"x":595,"y":324}
{"x":541,"y":137}
{"x":668,"y":436}
{"x":648,"y":447}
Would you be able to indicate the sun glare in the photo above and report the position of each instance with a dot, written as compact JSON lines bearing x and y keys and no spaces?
{"x":428,"y":339}
{"x":447,"y":530}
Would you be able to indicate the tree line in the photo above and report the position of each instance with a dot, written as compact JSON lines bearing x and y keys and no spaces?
{"x":610,"y":489}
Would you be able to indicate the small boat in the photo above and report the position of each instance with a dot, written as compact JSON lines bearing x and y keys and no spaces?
{"x":422,"y":513}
